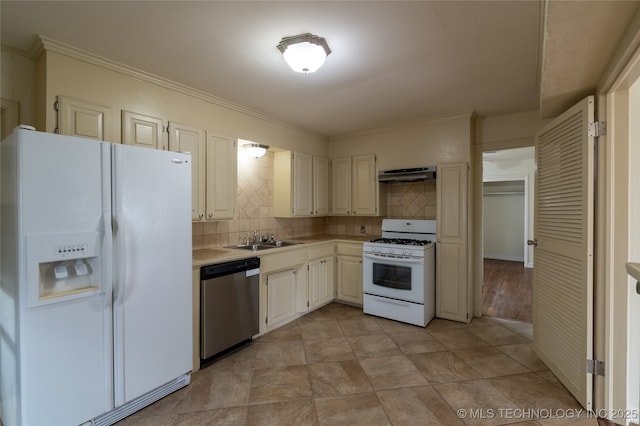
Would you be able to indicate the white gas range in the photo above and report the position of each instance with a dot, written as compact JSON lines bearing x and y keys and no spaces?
{"x":399,"y":271}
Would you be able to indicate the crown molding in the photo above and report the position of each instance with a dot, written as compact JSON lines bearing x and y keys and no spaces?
{"x":46,"y":44}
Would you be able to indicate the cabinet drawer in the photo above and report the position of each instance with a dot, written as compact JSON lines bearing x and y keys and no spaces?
{"x":319,"y":252}
{"x":354,"y":249}
{"x":282,"y":260}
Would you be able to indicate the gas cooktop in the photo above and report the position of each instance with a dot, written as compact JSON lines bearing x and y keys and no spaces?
{"x":403,"y":241}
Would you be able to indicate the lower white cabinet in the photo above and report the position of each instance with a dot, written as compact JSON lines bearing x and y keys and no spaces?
{"x":283,"y":287}
{"x":281,"y":296}
{"x":297,"y":280}
{"x":349,"y":273}
{"x":320,"y":281}
{"x":321,"y":275}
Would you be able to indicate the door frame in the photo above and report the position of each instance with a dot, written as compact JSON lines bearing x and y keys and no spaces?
{"x":476,"y":239}
{"x":619,"y":387}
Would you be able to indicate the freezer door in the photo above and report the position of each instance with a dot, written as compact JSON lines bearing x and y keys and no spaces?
{"x":55,"y":339}
{"x":152,"y":291}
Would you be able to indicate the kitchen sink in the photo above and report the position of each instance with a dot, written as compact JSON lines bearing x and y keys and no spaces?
{"x":282,"y":243}
{"x":253,"y":247}
{"x":263,"y":246}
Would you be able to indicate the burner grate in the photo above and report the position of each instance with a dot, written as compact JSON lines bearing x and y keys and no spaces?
{"x":401,"y":241}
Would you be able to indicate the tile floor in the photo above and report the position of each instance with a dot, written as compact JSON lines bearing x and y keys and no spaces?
{"x":337,"y":366}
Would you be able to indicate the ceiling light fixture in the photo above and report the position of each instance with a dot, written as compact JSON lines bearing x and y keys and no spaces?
{"x":256,"y":150}
{"x":305,"y":52}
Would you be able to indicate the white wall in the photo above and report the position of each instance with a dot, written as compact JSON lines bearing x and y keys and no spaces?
{"x":418,"y":144}
{"x":503,"y":225}
{"x":76,"y":74}
{"x":515,"y":164}
{"x":16,"y":84}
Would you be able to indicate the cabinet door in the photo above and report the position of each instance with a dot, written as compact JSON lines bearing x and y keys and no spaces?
{"x":320,"y":281}
{"x":341,"y":186}
{"x":302,"y":184}
{"x":84,"y":119}
{"x":221,"y":185}
{"x":320,"y":186}
{"x":350,"y":279}
{"x":142,"y":130}
{"x":327,"y":279}
{"x":191,"y":140}
{"x":364,"y":184}
{"x":315,"y":282}
{"x":452,"y":289}
{"x":281,"y":297}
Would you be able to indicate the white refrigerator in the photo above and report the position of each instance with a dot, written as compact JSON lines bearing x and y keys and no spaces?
{"x":95,"y":300}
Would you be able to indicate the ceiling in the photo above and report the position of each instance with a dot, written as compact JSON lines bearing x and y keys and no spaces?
{"x":391,"y":61}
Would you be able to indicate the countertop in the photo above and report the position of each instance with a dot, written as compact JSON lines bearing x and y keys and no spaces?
{"x":633,"y":269}
{"x":220,"y":254}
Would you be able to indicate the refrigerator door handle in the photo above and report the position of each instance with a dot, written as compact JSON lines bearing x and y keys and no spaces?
{"x":107,"y":245}
{"x":120,"y":268}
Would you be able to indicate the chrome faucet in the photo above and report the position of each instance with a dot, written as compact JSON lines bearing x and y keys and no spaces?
{"x":255,"y":236}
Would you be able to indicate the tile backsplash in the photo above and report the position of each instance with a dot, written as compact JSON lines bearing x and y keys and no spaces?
{"x":412,"y":200}
{"x":415,"y":200}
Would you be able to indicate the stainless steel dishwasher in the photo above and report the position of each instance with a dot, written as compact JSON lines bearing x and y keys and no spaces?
{"x":229,"y":294}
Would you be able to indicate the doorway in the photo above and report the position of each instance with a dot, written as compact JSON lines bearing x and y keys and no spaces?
{"x":507,"y":223}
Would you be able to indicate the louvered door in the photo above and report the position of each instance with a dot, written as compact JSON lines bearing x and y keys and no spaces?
{"x":563,"y":273}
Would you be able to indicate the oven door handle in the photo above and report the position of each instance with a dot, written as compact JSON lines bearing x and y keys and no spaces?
{"x":391,"y":302}
{"x":376,"y":256}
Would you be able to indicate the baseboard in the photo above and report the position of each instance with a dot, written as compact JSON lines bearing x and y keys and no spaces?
{"x":507,"y":258}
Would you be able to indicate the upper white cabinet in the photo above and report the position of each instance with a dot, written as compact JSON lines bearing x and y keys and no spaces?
{"x":221,"y":177}
{"x":341,"y":186}
{"x":320,"y":186}
{"x":83,"y":119}
{"x":355,"y":188}
{"x":189,"y":139}
{"x":143,"y":130}
{"x":452,"y":283}
{"x":292,"y":184}
{"x":364,"y":186}
{"x":301,"y":184}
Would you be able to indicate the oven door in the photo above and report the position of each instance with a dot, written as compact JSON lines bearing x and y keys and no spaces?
{"x":402,"y":279}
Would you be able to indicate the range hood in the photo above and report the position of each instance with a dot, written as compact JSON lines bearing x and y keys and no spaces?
{"x":407,"y":175}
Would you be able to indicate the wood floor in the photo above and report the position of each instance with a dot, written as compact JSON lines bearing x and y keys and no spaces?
{"x":507,"y":290}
